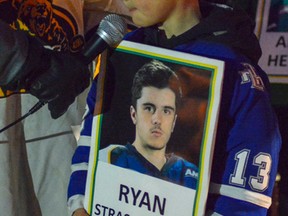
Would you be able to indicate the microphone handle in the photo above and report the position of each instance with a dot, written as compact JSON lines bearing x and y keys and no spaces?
{"x":93,"y":48}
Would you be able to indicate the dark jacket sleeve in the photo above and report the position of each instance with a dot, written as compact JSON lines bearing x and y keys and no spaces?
{"x":19,"y":54}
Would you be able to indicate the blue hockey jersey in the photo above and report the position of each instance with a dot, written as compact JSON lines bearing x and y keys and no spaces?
{"x":176,"y":169}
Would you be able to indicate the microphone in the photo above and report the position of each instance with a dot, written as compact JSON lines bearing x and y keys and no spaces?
{"x":110,"y":33}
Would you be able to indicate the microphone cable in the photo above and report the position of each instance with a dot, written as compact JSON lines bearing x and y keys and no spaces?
{"x":35,"y":108}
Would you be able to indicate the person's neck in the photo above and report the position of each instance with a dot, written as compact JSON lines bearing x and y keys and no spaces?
{"x":155,"y":157}
{"x":181,"y":20}
{"x":158,"y":160}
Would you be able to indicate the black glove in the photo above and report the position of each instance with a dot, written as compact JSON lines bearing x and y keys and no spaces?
{"x":52,"y":76}
{"x":62,"y":77}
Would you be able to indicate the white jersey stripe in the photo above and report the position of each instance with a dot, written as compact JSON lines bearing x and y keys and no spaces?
{"x":79,"y":167}
{"x":84,"y":141}
{"x":241,"y":194}
{"x":212,"y":213}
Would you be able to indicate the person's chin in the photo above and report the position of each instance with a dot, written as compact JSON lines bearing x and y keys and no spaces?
{"x":156,"y":146}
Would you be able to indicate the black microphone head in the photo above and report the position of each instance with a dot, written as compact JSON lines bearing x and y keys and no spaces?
{"x":112,"y":29}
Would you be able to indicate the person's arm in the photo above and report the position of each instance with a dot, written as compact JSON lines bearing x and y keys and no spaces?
{"x":96,"y":10}
{"x":53,"y":77}
{"x":111,"y":6}
{"x":247,"y":145}
{"x":79,"y":166}
{"x":15,"y":52}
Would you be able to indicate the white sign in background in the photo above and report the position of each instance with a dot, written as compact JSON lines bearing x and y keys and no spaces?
{"x":274,"y":60}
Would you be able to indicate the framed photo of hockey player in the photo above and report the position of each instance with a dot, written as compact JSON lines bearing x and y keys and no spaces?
{"x":153,"y":132}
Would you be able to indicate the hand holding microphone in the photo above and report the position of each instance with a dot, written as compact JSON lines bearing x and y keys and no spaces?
{"x":64,"y":76}
{"x":58,"y":77}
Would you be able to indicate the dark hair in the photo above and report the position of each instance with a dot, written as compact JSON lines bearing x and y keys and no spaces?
{"x":155,"y":74}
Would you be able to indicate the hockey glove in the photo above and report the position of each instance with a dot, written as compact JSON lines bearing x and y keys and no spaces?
{"x":59,"y":84}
